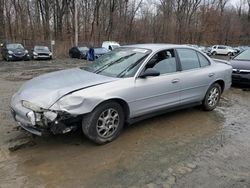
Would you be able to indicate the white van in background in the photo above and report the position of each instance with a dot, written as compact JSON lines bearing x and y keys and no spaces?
{"x":110,"y":45}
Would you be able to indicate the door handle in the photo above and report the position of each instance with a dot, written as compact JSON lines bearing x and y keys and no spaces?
{"x":175,"y":81}
{"x":211,"y":74}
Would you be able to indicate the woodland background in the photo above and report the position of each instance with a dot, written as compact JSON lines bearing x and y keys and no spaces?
{"x":203,"y":22}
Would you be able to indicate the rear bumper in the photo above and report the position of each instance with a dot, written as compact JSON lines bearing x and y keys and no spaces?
{"x":241,"y":79}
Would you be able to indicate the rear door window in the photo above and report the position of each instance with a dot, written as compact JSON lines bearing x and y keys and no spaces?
{"x":188,"y":59}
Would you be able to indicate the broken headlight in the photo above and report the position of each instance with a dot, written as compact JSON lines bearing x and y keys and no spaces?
{"x":31,"y":106}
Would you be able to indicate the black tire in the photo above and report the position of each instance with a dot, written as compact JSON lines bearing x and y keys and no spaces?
{"x":70,"y":55}
{"x":81,"y":56}
{"x":207,"y":103}
{"x":90,"y":122}
{"x":229,"y":54}
{"x":214,"y":53}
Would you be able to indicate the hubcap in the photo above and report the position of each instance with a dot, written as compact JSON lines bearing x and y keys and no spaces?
{"x":107,"y":123}
{"x":213,"y":97}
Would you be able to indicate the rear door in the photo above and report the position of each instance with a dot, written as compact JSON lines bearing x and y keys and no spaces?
{"x":195,"y":75}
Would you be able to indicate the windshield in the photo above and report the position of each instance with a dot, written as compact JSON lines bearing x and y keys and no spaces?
{"x":14,"y":46}
{"x":244,"y":56}
{"x":42,"y":48}
{"x":121,"y":62}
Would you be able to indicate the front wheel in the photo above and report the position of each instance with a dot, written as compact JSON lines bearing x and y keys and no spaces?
{"x":105,"y":123}
{"x":212,"y":97}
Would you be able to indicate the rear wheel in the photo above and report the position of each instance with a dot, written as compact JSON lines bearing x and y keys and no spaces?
{"x":212,"y":97}
{"x":105,"y":123}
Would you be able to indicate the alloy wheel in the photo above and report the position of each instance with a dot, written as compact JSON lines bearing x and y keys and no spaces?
{"x":107,"y":123}
{"x":213,"y":97}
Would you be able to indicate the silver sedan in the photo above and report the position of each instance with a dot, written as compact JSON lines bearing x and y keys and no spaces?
{"x":125,"y":85}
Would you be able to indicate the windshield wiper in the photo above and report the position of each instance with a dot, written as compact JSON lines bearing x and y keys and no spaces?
{"x":112,"y":63}
{"x":125,"y":71}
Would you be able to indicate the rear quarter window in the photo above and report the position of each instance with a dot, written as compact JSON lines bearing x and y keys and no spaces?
{"x":203,"y":60}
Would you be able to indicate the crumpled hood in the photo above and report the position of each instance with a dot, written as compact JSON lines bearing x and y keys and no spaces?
{"x":46,"y":89}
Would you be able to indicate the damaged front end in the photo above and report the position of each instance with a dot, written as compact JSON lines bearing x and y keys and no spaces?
{"x":41,"y":121}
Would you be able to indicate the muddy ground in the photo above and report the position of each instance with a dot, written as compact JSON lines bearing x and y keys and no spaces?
{"x":187,"y":148}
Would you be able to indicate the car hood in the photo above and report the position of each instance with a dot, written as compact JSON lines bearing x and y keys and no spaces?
{"x":46,"y":89}
{"x":42,"y":51}
{"x":237,"y":64}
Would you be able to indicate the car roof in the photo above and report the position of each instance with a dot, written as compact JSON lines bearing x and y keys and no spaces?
{"x":157,"y":47}
{"x":110,"y":42}
{"x":40,"y":46}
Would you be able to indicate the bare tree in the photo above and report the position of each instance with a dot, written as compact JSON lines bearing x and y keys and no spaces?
{"x":128,"y":21}
{"x":2,"y":21}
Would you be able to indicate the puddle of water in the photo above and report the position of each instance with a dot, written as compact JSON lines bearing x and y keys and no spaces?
{"x":142,"y":146}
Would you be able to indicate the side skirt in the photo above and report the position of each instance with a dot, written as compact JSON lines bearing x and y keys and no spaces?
{"x":161,"y":112}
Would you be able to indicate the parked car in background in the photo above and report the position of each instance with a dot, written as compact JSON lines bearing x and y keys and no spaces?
{"x":127,"y":84}
{"x":14,"y":52}
{"x":208,"y":50}
{"x":241,"y":69}
{"x":100,"y":51}
{"x":202,"y":48}
{"x":110,"y":45}
{"x":240,"y":49}
{"x":223,"y":50}
{"x":78,"y":52}
{"x":41,"y":52}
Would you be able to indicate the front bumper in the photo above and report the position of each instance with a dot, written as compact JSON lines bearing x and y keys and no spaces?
{"x":16,"y":57}
{"x":42,"y":56}
{"x":63,"y":122}
{"x":19,"y":114}
{"x":241,"y":79}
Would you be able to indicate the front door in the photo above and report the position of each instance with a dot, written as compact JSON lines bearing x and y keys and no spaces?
{"x":159,"y":92}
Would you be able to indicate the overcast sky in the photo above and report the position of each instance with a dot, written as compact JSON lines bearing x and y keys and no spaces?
{"x":234,"y":2}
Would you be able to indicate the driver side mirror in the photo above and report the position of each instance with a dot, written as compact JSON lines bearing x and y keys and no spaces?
{"x":150,"y":72}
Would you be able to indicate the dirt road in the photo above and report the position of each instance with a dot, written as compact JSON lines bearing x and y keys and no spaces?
{"x":187,"y":148}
